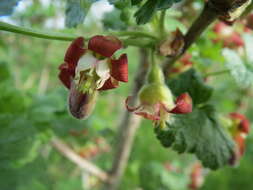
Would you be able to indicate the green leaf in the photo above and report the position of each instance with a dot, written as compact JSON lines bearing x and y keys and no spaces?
{"x":111,"y":20}
{"x":4,"y":71}
{"x":76,"y":11}
{"x":242,"y":75}
{"x":146,"y":12}
{"x":135,"y":2}
{"x":7,"y":7}
{"x":191,"y":82}
{"x":200,"y":133}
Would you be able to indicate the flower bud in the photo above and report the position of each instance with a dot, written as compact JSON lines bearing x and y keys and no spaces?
{"x":81,"y":104}
{"x":155,"y":74}
{"x":155,"y":93}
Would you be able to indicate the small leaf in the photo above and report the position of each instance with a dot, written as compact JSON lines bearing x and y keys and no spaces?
{"x":111,"y":20}
{"x":76,"y":11}
{"x":145,"y":13}
{"x":239,"y":71}
{"x":135,"y":2}
{"x":191,"y":82}
{"x":200,"y":133}
{"x":7,"y":7}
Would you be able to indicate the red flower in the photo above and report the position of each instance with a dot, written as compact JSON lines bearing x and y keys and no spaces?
{"x":156,"y":103}
{"x":196,"y":176}
{"x":86,"y":70}
{"x":239,"y":130}
{"x":95,"y":64}
{"x":182,"y":65}
{"x":227,"y":35}
{"x":241,"y":122}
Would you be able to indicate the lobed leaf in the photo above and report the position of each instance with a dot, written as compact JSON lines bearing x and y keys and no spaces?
{"x":199,"y":133}
{"x":148,"y":9}
{"x":191,"y":82}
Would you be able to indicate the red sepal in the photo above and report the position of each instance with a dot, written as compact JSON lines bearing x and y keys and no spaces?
{"x":109,"y":84}
{"x":66,"y":74}
{"x":120,"y":68}
{"x":148,"y":116}
{"x":104,"y":45}
{"x":183,"y":104}
{"x":244,"y":125}
{"x":74,"y":52}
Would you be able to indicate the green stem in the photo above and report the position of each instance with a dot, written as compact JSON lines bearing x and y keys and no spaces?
{"x":35,"y":33}
{"x":134,"y":34}
{"x":162,"y":22}
{"x":217,"y":73}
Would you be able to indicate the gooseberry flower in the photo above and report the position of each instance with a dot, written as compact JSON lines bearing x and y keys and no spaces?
{"x":88,"y":69}
{"x":227,"y":35}
{"x":239,"y":130}
{"x":241,"y":123}
{"x":156,"y":100}
{"x":182,"y":65}
{"x":196,"y":176}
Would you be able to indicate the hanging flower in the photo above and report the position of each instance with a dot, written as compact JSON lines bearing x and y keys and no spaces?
{"x":196,"y":176}
{"x":240,"y":122}
{"x":182,"y":65}
{"x":88,"y":69}
{"x":227,"y":35}
{"x":239,"y":130}
{"x":156,"y":100}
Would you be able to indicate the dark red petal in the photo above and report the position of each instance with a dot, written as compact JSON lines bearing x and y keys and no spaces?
{"x":129,"y":108}
{"x":65,"y":75}
{"x":244,"y":124}
{"x":148,"y":116}
{"x":74,"y":52}
{"x":109,"y":84}
{"x":104,"y":45}
{"x":183,"y":104}
{"x":119,"y":69}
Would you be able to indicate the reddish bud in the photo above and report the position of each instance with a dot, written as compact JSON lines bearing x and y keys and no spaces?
{"x":243,"y":122}
{"x":196,"y":176}
{"x":81,"y":104}
{"x":183,"y":104}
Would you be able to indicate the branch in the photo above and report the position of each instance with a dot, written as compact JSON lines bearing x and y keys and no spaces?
{"x":35,"y":33}
{"x":65,"y":150}
{"x":127,"y":129}
{"x":212,"y":10}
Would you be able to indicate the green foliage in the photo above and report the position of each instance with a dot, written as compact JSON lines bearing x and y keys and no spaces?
{"x":76,"y":11}
{"x":200,"y":133}
{"x":192,"y":83}
{"x":7,"y":6}
{"x":242,"y":75}
{"x":111,"y":20}
{"x":154,"y":175}
{"x":146,"y":11}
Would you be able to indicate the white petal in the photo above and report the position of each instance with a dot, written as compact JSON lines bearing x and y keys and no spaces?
{"x":87,"y":61}
{"x":103,"y":71}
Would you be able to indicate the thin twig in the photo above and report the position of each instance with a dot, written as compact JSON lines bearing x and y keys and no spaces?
{"x":212,"y":10}
{"x":127,"y":129}
{"x":65,"y":150}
